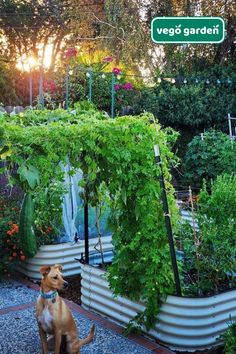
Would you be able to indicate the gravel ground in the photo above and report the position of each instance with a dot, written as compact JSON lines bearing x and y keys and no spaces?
{"x":19,"y":333}
{"x":14,"y":293}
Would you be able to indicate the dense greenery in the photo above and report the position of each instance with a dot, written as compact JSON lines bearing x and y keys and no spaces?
{"x":229,"y":338}
{"x":10,"y":251}
{"x":209,"y":156}
{"x":7,"y":84}
{"x":193,"y":106}
{"x":210,"y":254}
{"x":117,"y":160}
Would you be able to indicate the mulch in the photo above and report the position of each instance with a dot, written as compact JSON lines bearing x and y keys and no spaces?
{"x":73,"y":292}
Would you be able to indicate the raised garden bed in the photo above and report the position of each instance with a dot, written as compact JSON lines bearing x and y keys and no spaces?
{"x":183,"y":324}
{"x":65,"y":254}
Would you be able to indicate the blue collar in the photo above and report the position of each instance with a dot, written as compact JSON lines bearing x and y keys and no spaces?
{"x":51,"y":295}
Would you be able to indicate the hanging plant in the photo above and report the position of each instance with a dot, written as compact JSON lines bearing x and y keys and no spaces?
{"x":26,"y":232}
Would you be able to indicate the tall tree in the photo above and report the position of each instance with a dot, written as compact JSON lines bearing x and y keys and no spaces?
{"x":28,"y":27}
{"x":200,"y":54}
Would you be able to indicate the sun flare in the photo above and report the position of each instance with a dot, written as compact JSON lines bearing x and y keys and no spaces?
{"x":28,"y":63}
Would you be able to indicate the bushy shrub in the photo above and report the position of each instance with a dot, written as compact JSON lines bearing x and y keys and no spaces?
{"x":210,"y":251}
{"x":8,"y":94}
{"x":194,"y":105}
{"x":209,"y":157}
{"x":10,"y":250}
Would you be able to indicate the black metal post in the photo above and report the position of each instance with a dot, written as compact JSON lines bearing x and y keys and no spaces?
{"x":168,"y":222}
{"x":67,"y":87}
{"x":41,"y":93}
{"x":86,"y":233}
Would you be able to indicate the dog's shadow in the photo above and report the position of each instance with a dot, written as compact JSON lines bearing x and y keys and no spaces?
{"x":51,"y":344}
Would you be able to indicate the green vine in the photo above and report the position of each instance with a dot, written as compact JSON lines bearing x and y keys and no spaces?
{"x":117,"y":158}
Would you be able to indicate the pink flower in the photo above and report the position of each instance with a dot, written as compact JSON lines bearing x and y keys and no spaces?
{"x":116,"y":71}
{"x":128,"y":86}
{"x":117,"y":87}
{"x":70,"y":53}
{"x":107,"y":59}
{"x":50,"y":86}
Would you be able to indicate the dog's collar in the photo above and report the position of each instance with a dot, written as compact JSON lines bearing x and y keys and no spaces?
{"x":49,"y":295}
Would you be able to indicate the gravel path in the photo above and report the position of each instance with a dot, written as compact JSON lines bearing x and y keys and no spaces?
{"x":19,"y":334}
{"x":14,"y":293}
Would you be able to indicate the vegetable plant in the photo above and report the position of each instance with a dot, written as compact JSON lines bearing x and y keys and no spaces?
{"x":209,"y":156}
{"x":213,"y":256}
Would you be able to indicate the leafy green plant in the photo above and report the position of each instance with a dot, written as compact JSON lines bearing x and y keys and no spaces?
{"x":117,"y":160}
{"x":208,"y":157}
{"x":10,"y":250}
{"x":210,"y":256}
{"x":27,"y":236}
{"x":192,"y":106}
{"x":229,"y":338}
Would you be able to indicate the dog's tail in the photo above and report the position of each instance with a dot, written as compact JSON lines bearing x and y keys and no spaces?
{"x":80,"y":342}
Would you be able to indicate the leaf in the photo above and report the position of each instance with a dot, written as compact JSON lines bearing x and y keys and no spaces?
{"x":124,"y":195}
{"x":30,"y":174}
{"x":5,"y":151}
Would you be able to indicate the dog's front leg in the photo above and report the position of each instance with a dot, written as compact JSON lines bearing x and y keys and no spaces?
{"x":43,"y":338}
{"x":57,"y":341}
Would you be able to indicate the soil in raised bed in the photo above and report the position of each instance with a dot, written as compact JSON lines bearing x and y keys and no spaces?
{"x":73,"y":292}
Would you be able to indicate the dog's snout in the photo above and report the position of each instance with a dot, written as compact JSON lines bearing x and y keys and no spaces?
{"x":65,"y":284}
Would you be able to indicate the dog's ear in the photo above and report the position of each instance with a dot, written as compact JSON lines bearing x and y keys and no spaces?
{"x":45,"y":270}
{"x":59,"y":267}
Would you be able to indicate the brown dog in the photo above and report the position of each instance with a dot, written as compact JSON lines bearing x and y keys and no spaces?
{"x":54,"y":316}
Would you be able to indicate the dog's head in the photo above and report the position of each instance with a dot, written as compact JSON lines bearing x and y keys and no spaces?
{"x":52,"y":277}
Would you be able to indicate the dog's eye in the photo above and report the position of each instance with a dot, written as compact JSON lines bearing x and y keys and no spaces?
{"x":55,"y":277}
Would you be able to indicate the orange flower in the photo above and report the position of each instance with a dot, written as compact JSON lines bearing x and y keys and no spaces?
{"x":15,"y":228}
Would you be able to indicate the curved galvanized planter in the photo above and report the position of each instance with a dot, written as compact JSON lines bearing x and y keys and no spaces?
{"x":185,"y":324}
{"x":65,"y":254}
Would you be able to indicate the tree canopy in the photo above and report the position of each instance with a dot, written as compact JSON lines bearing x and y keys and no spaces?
{"x":121,"y":27}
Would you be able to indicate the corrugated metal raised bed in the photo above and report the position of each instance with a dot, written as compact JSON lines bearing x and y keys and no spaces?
{"x":65,"y":254}
{"x":186,"y":324}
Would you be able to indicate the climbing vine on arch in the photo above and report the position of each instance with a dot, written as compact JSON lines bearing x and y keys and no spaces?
{"x":117,"y":161}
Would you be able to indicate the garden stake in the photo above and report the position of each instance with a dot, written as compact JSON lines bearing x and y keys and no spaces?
{"x":41,"y":96}
{"x":196,"y":237}
{"x":90,"y":75}
{"x":67,"y":88}
{"x":86,"y":233}
{"x":168,"y":223}
{"x":112,"y":95}
{"x":30,"y":89}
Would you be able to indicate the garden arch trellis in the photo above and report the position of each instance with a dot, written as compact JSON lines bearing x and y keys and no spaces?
{"x":117,"y":159}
